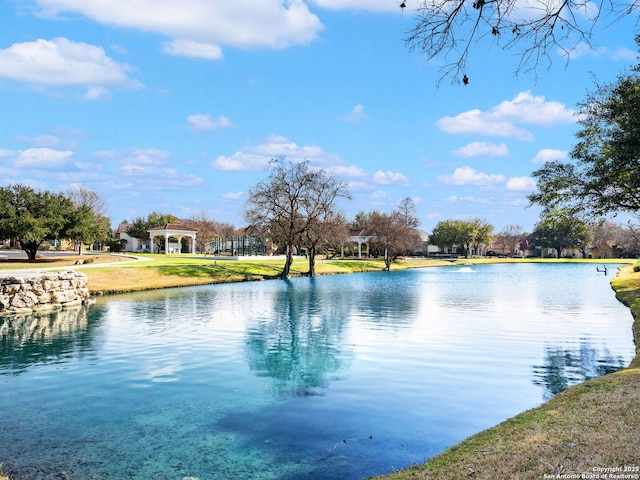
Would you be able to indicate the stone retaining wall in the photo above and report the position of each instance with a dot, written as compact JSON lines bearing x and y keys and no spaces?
{"x":46,"y":291}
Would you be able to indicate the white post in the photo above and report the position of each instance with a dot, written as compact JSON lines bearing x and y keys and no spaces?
{"x":166,"y":242}
{"x":151,"y":244}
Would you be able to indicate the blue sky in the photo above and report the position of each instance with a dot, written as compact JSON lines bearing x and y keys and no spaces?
{"x":177,"y":106}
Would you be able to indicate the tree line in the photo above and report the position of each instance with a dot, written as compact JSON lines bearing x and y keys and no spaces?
{"x":555,"y":233}
{"x":296,"y":207}
{"x":34,"y":217}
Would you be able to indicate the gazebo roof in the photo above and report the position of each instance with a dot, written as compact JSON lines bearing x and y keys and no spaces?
{"x":174,"y":227}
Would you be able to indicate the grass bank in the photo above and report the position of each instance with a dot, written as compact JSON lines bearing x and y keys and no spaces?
{"x":579,"y":433}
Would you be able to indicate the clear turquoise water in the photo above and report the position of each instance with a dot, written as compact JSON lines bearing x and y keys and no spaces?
{"x":339,"y":377}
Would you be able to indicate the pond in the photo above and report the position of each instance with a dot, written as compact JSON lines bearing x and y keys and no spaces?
{"x":337,"y":377}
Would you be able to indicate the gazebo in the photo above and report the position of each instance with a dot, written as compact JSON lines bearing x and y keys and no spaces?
{"x":176,"y":231}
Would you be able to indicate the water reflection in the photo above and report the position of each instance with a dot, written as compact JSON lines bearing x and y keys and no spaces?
{"x":564,"y":367}
{"x":298,"y":346}
{"x":386,"y":299}
{"x":42,"y":338}
{"x":264,"y":379}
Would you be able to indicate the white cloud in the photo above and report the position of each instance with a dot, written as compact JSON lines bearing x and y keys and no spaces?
{"x":389,"y":178}
{"x":204,"y":123}
{"x":257,"y":157}
{"x":583,"y":49}
{"x":466,"y":199}
{"x":549,"y":155}
{"x":378,"y":196}
{"x":468,"y":176}
{"x":201,"y":27}
{"x":355,"y":115}
{"x":624,"y":54}
{"x":482,"y":149}
{"x":148,"y":166}
{"x":348,"y":171}
{"x":194,"y":49}
{"x":534,"y":110}
{"x":147,"y":156}
{"x":477,"y":122}
{"x":96,"y":93}
{"x":44,"y":140}
{"x":371,"y":5}
{"x":42,"y":158}
{"x":233,"y":195}
{"x":62,"y":62}
{"x":504,"y":120}
{"x":519,"y":184}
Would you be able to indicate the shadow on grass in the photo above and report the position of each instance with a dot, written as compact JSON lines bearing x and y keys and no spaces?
{"x":221,"y":272}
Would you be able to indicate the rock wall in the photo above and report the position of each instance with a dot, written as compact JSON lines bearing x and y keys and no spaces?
{"x":47,"y":291}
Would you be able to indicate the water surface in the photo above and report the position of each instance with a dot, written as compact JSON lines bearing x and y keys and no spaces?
{"x":338,"y":377}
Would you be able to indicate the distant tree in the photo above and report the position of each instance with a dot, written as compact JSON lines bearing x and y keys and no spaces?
{"x":395,"y":233}
{"x":446,"y":235}
{"x":33,"y":217}
{"x":89,"y":220}
{"x":329,"y":230}
{"x":447,"y":30}
{"x":603,"y":176}
{"x":468,"y":235}
{"x":559,"y":230}
{"x":482,"y":234}
{"x":629,"y":243}
{"x":606,"y":235}
{"x":509,"y":238}
{"x":83,"y":197}
{"x":225,"y":230}
{"x":206,"y":227}
{"x":359,"y":222}
{"x":293,"y":198}
{"x":140,"y":226}
{"x":407,"y":210}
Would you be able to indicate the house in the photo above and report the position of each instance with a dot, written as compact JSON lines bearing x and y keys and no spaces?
{"x":130,"y":244}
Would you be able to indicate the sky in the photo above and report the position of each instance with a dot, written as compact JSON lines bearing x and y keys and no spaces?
{"x":178,"y":106}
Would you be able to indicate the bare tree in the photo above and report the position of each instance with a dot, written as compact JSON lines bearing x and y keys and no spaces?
{"x":225,"y":230}
{"x":329,"y":230}
{"x":293,"y":198}
{"x":631,"y":239}
{"x":206,"y":227}
{"x":509,"y":237}
{"x":83,"y":197}
{"x":395,"y":233}
{"x":449,"y":29}
{"x":606,"y":235}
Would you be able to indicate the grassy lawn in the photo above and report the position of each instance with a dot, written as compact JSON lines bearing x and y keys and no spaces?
{"x":110,"y":274}
{"x":592,"y":425}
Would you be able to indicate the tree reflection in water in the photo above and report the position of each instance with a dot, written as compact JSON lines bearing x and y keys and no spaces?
{"x":300,"y":349}
{"x":564,"y":367}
